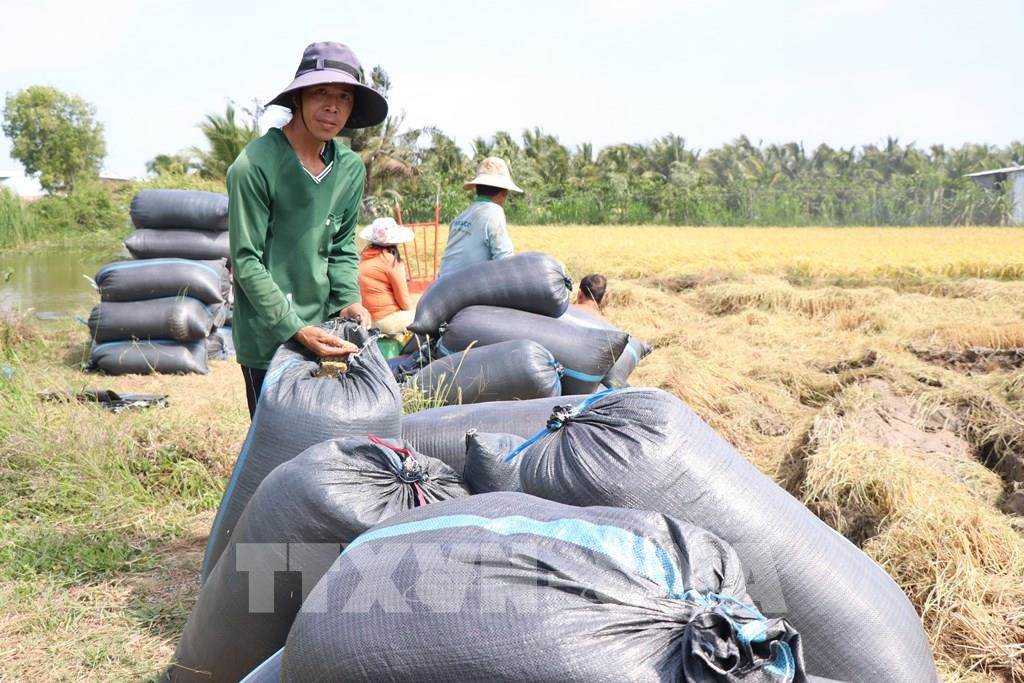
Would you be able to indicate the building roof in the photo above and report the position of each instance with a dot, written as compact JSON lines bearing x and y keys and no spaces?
{"x":1008,"y":169}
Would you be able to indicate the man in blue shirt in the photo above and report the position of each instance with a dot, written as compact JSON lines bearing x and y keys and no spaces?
{"x":480,"y":233}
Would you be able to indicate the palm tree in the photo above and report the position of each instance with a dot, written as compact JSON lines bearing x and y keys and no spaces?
{"x":583,"y":169}
{"x":227,"y":138}
{"x":172,"y":164}
{"x":387,"y":155}
{"x":666,"y":154}
{"x":550,"y":159}
{"x":443,"y":160}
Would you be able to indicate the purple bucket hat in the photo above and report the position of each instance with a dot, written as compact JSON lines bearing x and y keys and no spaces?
{"x":336,"y":63}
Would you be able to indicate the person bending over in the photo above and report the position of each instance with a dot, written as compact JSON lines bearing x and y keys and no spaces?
{"x":591,"y":295}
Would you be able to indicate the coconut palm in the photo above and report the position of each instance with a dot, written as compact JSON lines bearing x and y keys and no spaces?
{"x":226,"y":138}
{"x":550,"y":159}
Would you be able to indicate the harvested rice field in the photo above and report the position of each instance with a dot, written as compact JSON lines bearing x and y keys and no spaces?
{"x":877,"y":374}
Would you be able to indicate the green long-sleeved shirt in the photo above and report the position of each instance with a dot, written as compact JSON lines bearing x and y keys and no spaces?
{"x":293,"y":253}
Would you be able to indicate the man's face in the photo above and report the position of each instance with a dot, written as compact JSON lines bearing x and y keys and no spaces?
{"x":326,"y":108}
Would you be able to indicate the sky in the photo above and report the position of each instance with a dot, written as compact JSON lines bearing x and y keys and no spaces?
{"x":844,"y":72}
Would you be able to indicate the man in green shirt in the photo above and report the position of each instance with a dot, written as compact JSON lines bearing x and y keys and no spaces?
{"x":294,"y":197}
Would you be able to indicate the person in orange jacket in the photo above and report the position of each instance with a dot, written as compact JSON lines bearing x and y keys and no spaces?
{"x":382,"y":277}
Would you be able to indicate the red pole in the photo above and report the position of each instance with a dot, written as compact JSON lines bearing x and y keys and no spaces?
{"x":437,"y":227}
{"x":405,"y":252}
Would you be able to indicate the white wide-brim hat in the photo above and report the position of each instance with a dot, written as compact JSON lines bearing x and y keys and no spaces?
{"x":493,"y":171}
{"x":386,"y":232}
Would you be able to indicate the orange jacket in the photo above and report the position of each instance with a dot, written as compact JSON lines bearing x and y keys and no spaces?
{"x":382,"y":283}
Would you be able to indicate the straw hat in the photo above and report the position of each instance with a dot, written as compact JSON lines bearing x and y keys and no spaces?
{"x":385,"y":232}
{"x":493,"y":171}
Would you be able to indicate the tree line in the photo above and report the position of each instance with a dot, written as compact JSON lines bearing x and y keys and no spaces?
{"x":662,"y":181}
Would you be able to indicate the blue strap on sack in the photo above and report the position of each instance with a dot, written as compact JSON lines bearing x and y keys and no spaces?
{"x":636,"y":553}
{"x":559,"y":417}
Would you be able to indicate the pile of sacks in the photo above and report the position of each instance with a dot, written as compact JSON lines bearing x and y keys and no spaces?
{"x":609,"y":537}
{"x":503,"y":330}
{"x":168,"y":310}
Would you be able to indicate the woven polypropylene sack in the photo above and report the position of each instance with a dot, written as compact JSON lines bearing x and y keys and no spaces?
{"x":178,"y":318}
{"x":219,"y":345}
{"x":300,"y":517}
{"x":168,"y":277}
{"x":486,"y":469}
{"x":187,"y":209}
{"x":297,"y":409}
{"x":149,"y":357}
{"x":199,"y":245}
{"x":528,"y":281}
{"x":441,"y":432}
{"x":585,"y":354}
{"x":270,"y":671}
{"x":635,"y":351}
{"x":642,"y":448}
{"x":618,"y":376}
{"x":513,"y":370}
{"x":509,"y":587}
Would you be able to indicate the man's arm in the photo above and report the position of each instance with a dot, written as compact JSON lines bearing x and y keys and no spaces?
{"x":498,"y":240}
{"x":343,"y":262}
{"x":248,"y":225}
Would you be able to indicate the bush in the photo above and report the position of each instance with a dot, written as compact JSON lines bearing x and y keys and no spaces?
{"x":85,"y":210}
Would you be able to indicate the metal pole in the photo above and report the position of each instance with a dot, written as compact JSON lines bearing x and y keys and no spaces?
{"x":437,"y":226}
{"x":405,"y":252}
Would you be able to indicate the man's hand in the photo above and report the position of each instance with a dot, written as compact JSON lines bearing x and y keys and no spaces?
{"x":358,"y":312}
{"x":324,"y":344}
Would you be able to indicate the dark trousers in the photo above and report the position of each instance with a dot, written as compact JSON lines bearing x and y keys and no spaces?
{"x":253,"y":384}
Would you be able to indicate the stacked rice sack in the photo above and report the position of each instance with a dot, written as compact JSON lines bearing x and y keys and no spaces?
{"x":622,"y":539}
{"x":500,"y":330}
{"x":161,"y":312}
{"x":614,"y":536}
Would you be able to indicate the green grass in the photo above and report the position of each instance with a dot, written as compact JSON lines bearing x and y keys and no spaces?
{"x":103,"y":517}
{"x":97,"y":509}
{"x":18,"y":225}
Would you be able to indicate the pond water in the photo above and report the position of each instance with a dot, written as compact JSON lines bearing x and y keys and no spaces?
{"x":52,"y":282}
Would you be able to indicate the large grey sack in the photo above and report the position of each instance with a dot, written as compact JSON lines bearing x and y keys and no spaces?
{"x":148,"y":357}
{"x":512,"y":370}
{"x":297,"y":409}
{"x":441,"y":432}
{"x":270,"y":671}
{"x":509,"y":587}
{"x":220,"y":344}
{"x":528,"y":281}
{"x":175,"y":318}
{"x":635,"y":351}
{"x":629,"y":359}
{"x":586,"y":354}
{"x":642,"y":448}
{"x":180,"y":209}
{"x":199,"y":245}
{"x":299,"y":519}
{"x":486,"y":469}
{"x":164,"y":277}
